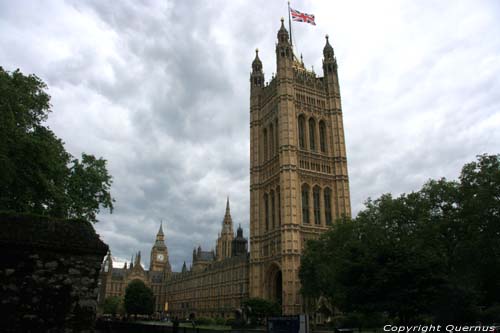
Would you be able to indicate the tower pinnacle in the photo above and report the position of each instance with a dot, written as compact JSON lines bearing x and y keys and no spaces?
{"x":160,"y":231}
{"x":227,"y":223}
{"x":328,"y":49}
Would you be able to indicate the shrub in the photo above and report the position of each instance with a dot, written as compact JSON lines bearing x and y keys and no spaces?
{"x":220,"y":321}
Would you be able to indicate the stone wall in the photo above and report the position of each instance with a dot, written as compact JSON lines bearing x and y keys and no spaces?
{"x":48,"y":274}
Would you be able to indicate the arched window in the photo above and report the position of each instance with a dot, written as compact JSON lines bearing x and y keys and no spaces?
{"x":271,"y":141}
{"x":265,"y":144}
{"x":322,"y":136}
{"x":273,"y":210}
{"x":328,"y":206}
{"x":312,"y":134}
{"x":316,"y":197}
{"x":305,"y":204}
{"x":302,"y":132}
{"x":277,"y":145}
{"x":279,"y":205}
{"x":266,"y":210}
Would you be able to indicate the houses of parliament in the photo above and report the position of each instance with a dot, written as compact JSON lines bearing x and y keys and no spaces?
{"x":298,"y":187}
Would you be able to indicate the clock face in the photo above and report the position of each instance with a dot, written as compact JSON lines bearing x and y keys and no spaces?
{"x":160,"y":257}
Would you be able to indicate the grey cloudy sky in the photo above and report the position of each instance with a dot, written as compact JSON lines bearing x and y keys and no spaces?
{"x":160,"y":90}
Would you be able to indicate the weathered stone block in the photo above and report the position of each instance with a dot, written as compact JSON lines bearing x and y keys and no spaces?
{"x":48,"y":270}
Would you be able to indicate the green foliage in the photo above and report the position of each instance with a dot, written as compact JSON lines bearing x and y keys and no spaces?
{"x":138,"y":299}
{"x":432,"y":254}
{"x":37,"y":175}
{"x":112,"y":305}
{"x":220,"y":321}
{"x":257,"y":309}
{"x":88,"y":187}
{"x":204,"y":321}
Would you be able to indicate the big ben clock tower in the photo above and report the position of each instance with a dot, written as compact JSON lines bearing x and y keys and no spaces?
{"x":159,"y":253}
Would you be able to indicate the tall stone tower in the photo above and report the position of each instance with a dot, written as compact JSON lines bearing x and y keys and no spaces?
{"x":159,"y":253}
{"x":225,"y":239}
{"x":298,"y":168}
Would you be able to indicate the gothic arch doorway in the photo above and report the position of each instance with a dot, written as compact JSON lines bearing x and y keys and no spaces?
{"x":274,"y":282}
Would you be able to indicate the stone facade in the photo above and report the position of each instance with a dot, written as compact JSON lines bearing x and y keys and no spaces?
{"x":48,"y":274}
{"x":298,"y":168}
{"x":215,"y":285}
{"x":114,"y":281}
{"x":216,"y":291}
{"x":298,"y":187}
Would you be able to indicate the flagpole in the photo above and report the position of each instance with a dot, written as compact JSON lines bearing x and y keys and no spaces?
{"x":290,"y":24}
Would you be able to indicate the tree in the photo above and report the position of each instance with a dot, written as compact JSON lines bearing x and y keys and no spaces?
{"x":37,"y":174}
{"x":257,"y":309}
{"x":434,"y":253}
{"x":112,"y":305}
{"x":139,"y":298}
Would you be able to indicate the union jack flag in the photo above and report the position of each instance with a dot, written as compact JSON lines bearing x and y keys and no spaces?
{"x":302,"y":17}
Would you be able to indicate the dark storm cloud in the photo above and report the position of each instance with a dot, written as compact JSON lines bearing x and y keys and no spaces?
{"x":160,"y":90}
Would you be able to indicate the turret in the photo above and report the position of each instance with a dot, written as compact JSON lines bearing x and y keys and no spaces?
{"x":257,"y":76}
{"x":284,"y":53}
{"x":239,"y":244}
{"x":329,"y":61}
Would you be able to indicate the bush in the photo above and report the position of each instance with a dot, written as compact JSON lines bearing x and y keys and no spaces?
{"x":220,"y":321}
{"x":204,"y":321}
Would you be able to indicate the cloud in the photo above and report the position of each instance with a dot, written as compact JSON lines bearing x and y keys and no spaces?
{"x":160,"y":90}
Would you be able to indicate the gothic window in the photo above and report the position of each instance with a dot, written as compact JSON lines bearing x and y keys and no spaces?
{"x":316,"y":196}
{"x":302,"y":132}
{"x":279,"y":205}
{"x":266,"y":210}
{"x":277,"y":145}
{"x":312,"y":134}
{"x":305,"y":204}
{"x":265,"y":144}
{"x":273,"y":211}
{"x":271,"y":141}
{"x":322,"y":136}
{"x":328,"y":206}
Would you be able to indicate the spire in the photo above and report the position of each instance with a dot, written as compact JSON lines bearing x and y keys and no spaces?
{"x":328,"y":50}
{"x":228,"y":209}
{"x":131,"y":262}
{"x":227,"y":223}
{"x":109,"y":260}
{"x":160,"y":231}
{"x":283,"y":33}
{"x":184,"y":268}
{"x":329,"y":61}
{"x":257,"y":64}
{"x":138,"y":259}
{"x":257,"y":76}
